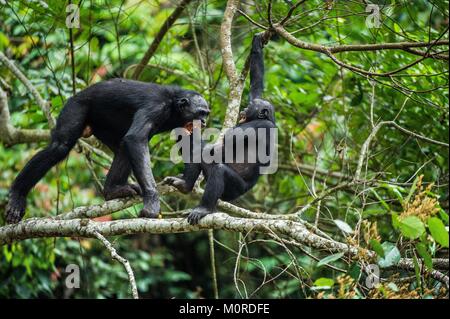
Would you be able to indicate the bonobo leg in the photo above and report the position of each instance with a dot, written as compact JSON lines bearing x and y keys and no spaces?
{"x":186,"y":182}
{"x":136,"y":147}
{"x":116,"y":184}
{"x":222,"y":182}
{"x":69,"y":127}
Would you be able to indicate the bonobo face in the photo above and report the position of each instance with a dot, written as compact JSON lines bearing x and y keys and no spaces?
{"x":258,"y":109}
{"x":193,"y":107}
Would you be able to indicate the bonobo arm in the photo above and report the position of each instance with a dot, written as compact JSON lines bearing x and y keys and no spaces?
{"x":136,"y":146}
{"x":257,"y":67}
{"x":185,"y":183}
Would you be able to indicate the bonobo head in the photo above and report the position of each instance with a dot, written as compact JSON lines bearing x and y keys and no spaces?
{"x":192,"y":106}
{"x":258,"y":109}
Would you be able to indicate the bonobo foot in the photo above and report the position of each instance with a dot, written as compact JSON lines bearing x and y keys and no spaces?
{"x":147,"y":213}
{"x":121,"y":191}
{"x":15,"y":208}
{"x":151,"y":208}
{"x":178,"y":183}
{"x":196,"y":214}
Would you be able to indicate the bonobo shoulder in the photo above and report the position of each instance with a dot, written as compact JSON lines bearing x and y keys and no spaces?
{"x":263,"y":123}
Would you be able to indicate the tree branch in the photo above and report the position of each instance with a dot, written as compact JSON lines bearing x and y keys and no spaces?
{"x":353,"y":47}
{"x":9,"y":134}
{"x":330,"y":51}
{"x":51,"y":227}
{"x":236,"y":82}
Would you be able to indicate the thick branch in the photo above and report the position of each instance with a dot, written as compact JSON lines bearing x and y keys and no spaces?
{"x":408,"y":264}
{"x":11,"y":135}
{"x":157,"y":40}
{"x":236,"y":83}
{"x":50,"y":227}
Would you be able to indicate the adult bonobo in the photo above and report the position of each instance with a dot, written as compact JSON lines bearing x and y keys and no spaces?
{"x":227,"y":180}
{"x":124,"y":115}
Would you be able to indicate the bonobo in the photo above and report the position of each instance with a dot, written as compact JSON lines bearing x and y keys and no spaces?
{"x":124,"y":115}
{"x":227,"y":180}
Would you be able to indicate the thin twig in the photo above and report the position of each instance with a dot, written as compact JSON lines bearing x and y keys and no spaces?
{"x":212,"y":257}
{"x":159,"y":36}
{"x":122,"y":260}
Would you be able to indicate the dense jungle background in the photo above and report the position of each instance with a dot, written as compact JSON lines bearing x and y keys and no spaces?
{"x":361,"y":96}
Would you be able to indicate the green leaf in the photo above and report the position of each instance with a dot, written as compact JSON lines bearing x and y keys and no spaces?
{"x":343,"y":226}
{"x":444,"y":216}
{"x":377,"y":247}
{"x":423,"y":252}
{"x":382,"y":201}
{"x":394,"y":191}
{"x":329,"y":259}
{"x":395,"y":221}
{"x":324,"y":282}
{"x":391,"y":255}
{"x":373,"y":212}
{"x":8,"y":254}
{"x":411,"y":227}
{"x":412,"y":190}
{"x":354,"y":271}
{"x":438,"y":231}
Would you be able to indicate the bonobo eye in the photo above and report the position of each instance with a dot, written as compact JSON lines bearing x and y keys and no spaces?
{"x":263,"y":114}
{"x":183,"y":102}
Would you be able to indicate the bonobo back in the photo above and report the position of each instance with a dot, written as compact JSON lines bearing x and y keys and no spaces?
{"x":124,"y":115}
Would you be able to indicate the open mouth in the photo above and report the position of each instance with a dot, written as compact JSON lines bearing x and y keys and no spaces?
{"x":242,"y":117}
{"x":190,"y":126}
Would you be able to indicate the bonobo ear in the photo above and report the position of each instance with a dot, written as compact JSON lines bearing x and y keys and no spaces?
{"x":183,"y":102}
{"x":263,"y":114}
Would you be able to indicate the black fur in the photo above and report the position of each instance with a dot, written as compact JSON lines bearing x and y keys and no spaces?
{"x":228,"y":181}
{"x":124,"y":115}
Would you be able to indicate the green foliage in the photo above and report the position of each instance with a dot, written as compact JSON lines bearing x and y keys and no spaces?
{"x":438,"y":231}
{"x":411,"y":227}
{"x":324,"y":283}
{"x":324,"y":115}
{"x":329,"y":259}
{"x":391,"y":255}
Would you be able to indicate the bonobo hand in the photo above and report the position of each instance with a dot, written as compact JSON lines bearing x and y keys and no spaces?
{"x":196,"y":214}
{"x":177,"y":182}
{"x":15,"y":209}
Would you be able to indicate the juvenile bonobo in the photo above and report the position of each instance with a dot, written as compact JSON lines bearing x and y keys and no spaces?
{"x":227,"y":180}
{"x":124,"y":115}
